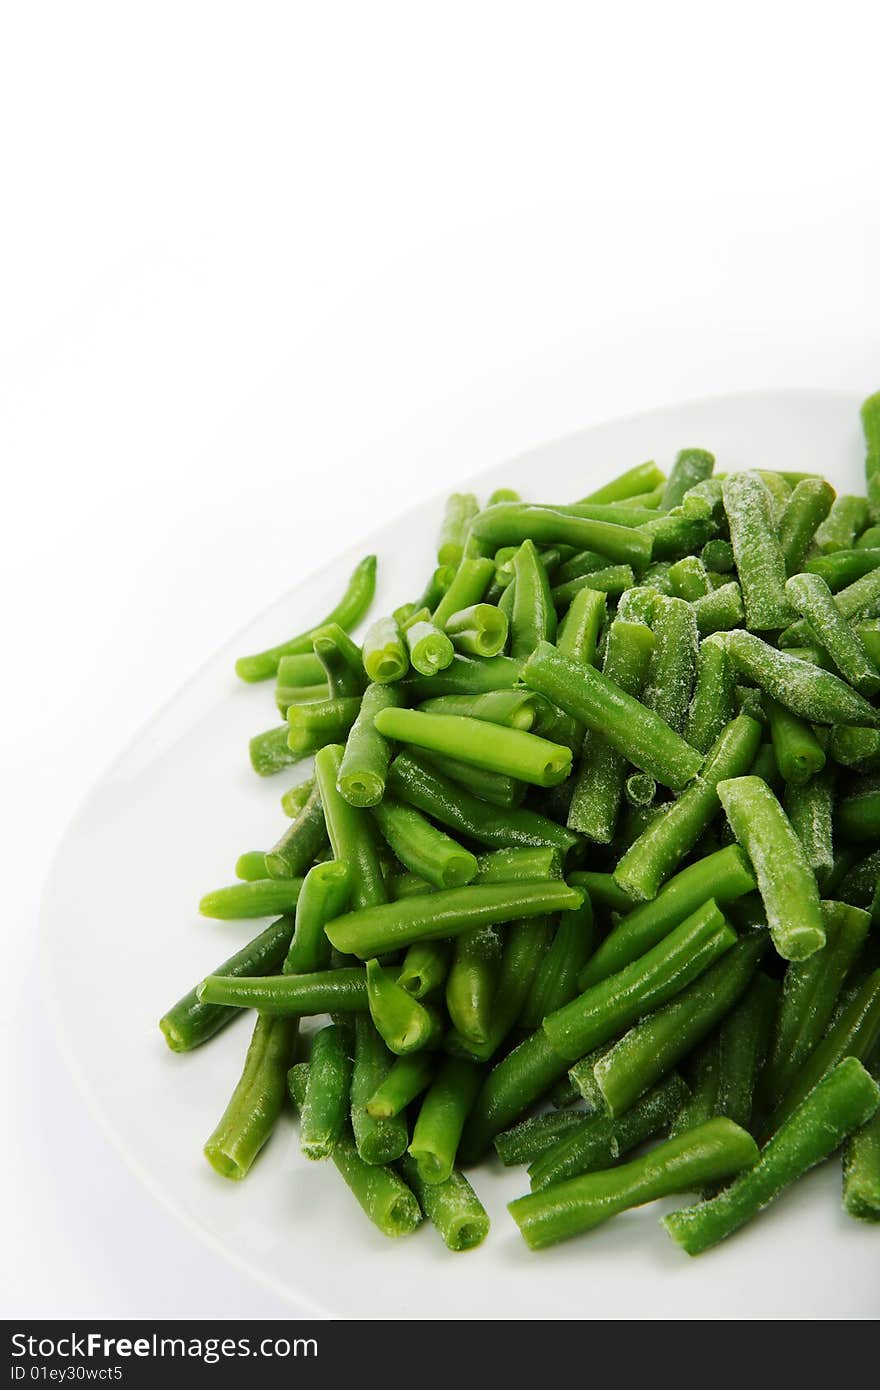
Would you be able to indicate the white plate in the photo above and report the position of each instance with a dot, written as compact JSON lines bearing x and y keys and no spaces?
{"x":123,"y":941}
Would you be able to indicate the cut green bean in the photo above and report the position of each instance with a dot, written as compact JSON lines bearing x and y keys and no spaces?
{"x":287,"y":695}
{"x":533,"y":618}
{"x":611,"y":580}
{"x":430,"y":650}
{"x":471,"y":983}
{"x":719,"y":610}
{"x":325,"y":893}
{"x":301,"y":842}
{"x":785,"y":881}
{"x":295,"y":798}
{"x":807,"y":507}
{"x":578,"y":633}
{"x":511,"y":523}
{"x":347,"y":613}
{"x":691,"y":466}
{"x":302,"y":669}
{"x":313,"y":726}
{"x":813,"y":599}
{"x":659,"y":1042}
{"x":759,"y":559}
{"x":403,"y":1023}
{"x":712,"y":705}
{"x":861,"y":1171}
{"x":799,"y":754}
{"x":350,"y":829}
{"x":386,"y":657}
{"x":724,"y":876}
{"x":717,"y":1149}
{"x":643,"y":477}
{"x":341,"y":661}
{"x":452,"y":1206}
{"x":556,"y":979}
{"x":512,"y":1087}
{"x":858,"y":813}
{"x":669,"y":837}
{"x":251,"y":866}
{"x":466,"y":676}
{"x":422,"y":848}
{"x":425,"y":967}
{"x":467,"y":587}
{"x":325,"y":1107}
{"x":743,"y":1040}
{"x":270,"y":751}
{"x":525,"y":945}
{"x":846,"y":520}
{"x":672,"y":671}
{"x":511,"y":752}
{"x":253,"y":1109}
{"x":265,"y":897}
{"x":809,"y":807}
{"x":689,"y":579}
{"x":364,"y":765}
{"x":191,"y":1022}
{"x":480,"y":630}
{"x":461,"y":508}
{"x":598,"y":1141}
{"x":290,"y":996}
{"x":844,"y":1100}
{"x":816,"y":695}
{"x":440,"y":1120}
{"x":408,"y":1077}
{"x":378,"y":1139}
{"x":809,"y":994}
{"x":717,"y":556}
{"x":535,"y":1136}
{"x":517,"y":708}
{"x":844,"y":566}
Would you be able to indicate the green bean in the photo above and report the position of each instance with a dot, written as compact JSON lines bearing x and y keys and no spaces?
{"x":380,"y":1192}
{"x":611,"y":580}
{"x":251,"y":865}
{"x":270,"y":751}
{"x":461,"y":508}
{"x":614,"y":1003}
{"x":525,"y":945}
{"x":422,"y":848}
{"x":190,"y":1022}
{"x":578,"y":632}
{"x":480,"y":630}
{"x":809,"y":807}
{"x":785,"y":881}
{"x":425,"y":967}
{"x":603,"y":890}
{"x":556,"y":980}
{"x":759,"y":559}
{"x":847,"y":518}
{"x":799,"y":754}
{"x":340,"y":659}
{"x":302,"y":669}
{"x":481,"y":782}
{"x":255,"y":1104}
{"x":717,"y":556}
{"x":313,"y":726}
{"x":468,"y":586}
{"x":301,"y":842}
{"x":325,"y":893}
{"x":640,"y":790}
{"x":386,"y":657}
{"x":853,"y":747}
{"x":465,"y":676}
{"x":806,"y":509}
{"x":290,"y":996}
{"x":716,"y":1149}
{"x":264,"y":897}
{"x":858,"y":601}
{"x":861,"y":1171}
{"x":724,"y":876}
{"x":295,"y":798}
{"x":842,"y":567}
{"x":512,"y":1086}
{"x":471,"y":983}
{"x":533,"y":1137}
{"x":641,"y":478}
{"x":671,"y":673}
{"x":859,"y":884}
{"x":287,"y":695}
{"x":435,"y":587}
{"x":351,"y":831}
{"x":676,"y":533}
{"x":658,"y":1043}
{"x":858,"y":813}
{"x":869,"y":540}
{"x":347,"y":613}
{"x":375,"y":930}
{"x":691,"y":466}
{"x":845,"y":1099}
{"x":378,"y":1139}
{"x":581,"y":563}
{"x":440,"y":1120}
{"x":668,"y":838}
{"x":408,"y":1077}
{"x":689,"y":579}
{"x":870,"y":413}
{"x":364,"y":765}
{"x":452,"y":1206}
{"x":626,"y":513}
{"x":554,"y":724}
{"x":703,"y":1077}
{"x":413,"y":780}
{"x":533,"y":619}
{"x":743,"y":1040}
{"x":852,"y":1034}
{"x":403,"y":1023}
{"x":812,"y":598}
{"x":511,"y":523}
{"x":503,"y":494}
{"x":719,"y":610}
{"x":494,"y":747}
{"x":516,"y":708}
{"x":636,"y":732}
{"x":712,"y":704}
{"x":598,"y":1141}
{"x":430,"y":650}
{"x":809,"y":993}
{"x":519,"y":865}
{"x":814,"y":694}
{"x":324,"y":1111}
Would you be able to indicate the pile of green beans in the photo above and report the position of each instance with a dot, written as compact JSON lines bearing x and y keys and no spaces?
{"x":587,"y":869}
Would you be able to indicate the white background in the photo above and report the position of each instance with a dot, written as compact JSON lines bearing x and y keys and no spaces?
{"x":269,"y":272}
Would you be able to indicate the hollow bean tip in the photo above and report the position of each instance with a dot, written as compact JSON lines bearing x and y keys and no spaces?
{"x":171,"y":1035}
{"x":800,"y":944}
